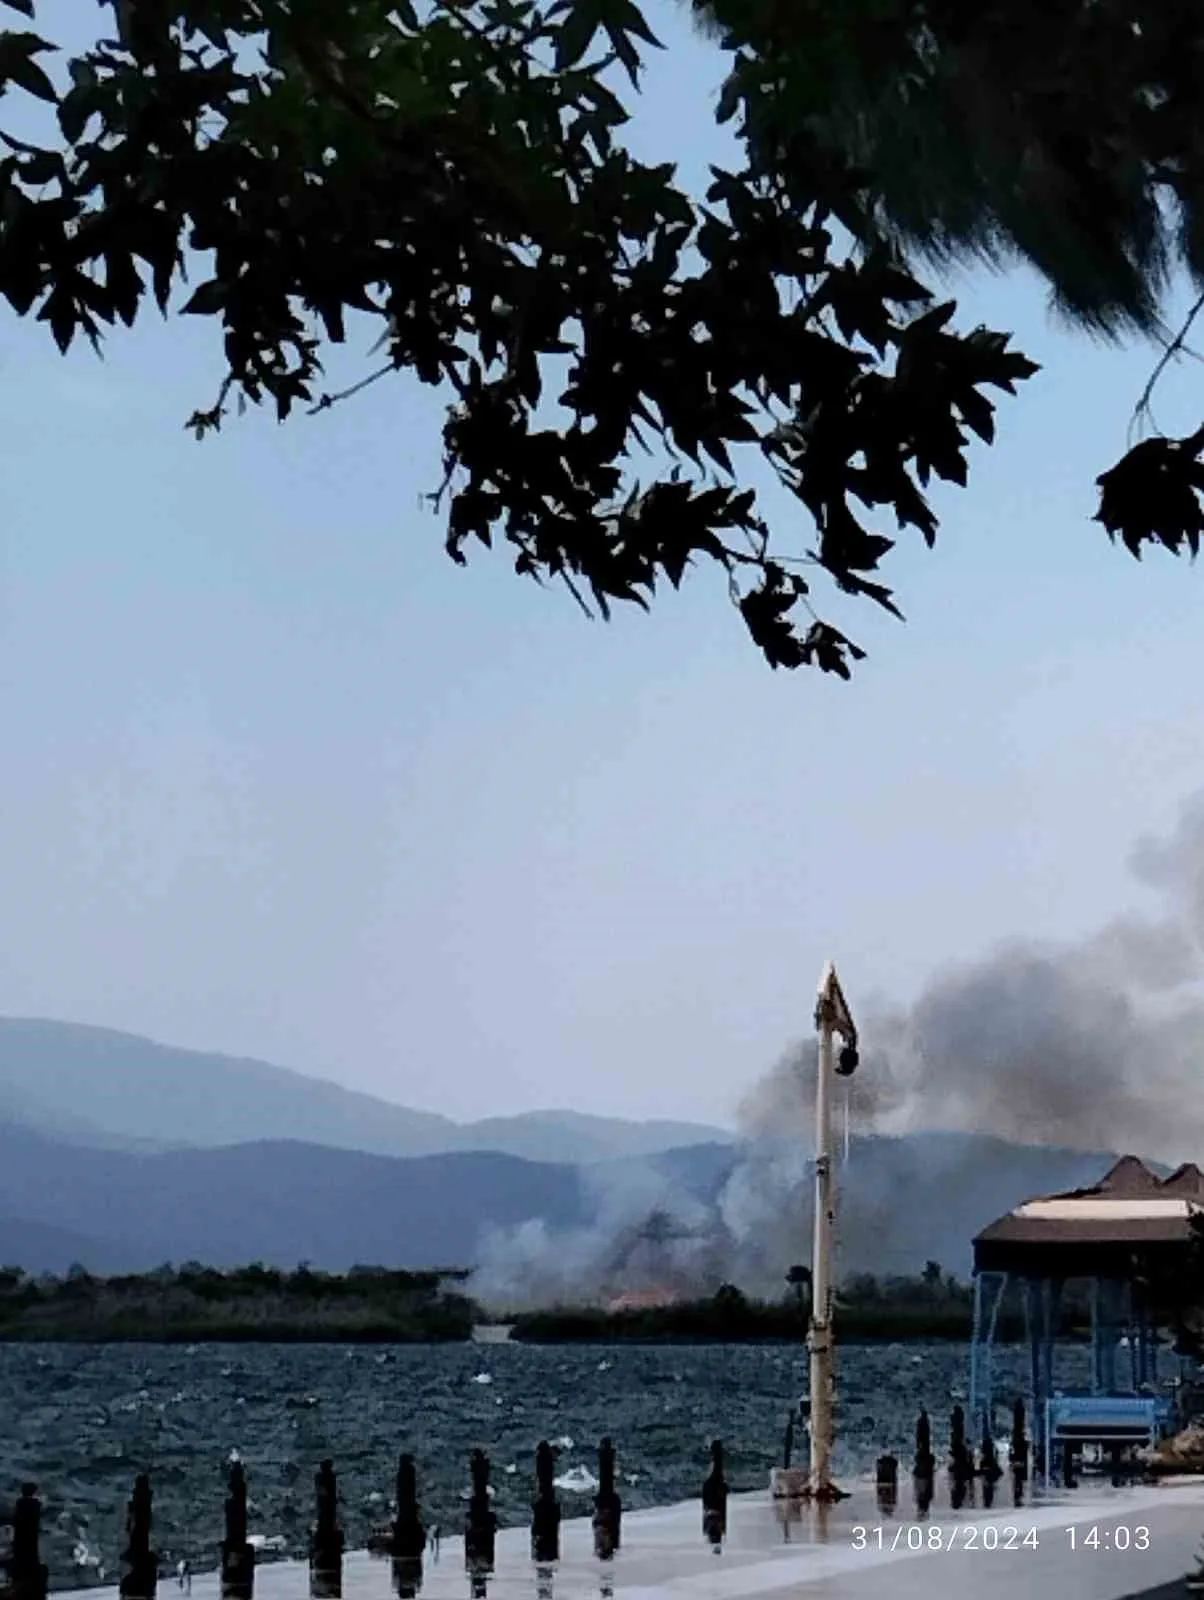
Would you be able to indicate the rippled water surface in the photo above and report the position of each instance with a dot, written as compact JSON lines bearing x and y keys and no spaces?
{"x":81,"y":1420}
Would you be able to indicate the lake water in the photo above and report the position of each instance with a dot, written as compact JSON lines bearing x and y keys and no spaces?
{"x":81,"y":1420}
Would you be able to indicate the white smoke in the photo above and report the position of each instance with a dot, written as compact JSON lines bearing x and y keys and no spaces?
{"x":647,"y":1232}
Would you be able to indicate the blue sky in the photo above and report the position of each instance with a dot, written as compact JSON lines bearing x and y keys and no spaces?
{"x":279,"y":779}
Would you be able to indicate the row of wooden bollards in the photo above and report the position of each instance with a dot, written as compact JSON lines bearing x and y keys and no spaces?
{"x":965,"y":1471}
{"x":405,"y":1540}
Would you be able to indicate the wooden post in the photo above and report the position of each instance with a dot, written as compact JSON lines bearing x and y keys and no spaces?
{"x":886,"y":1481}
{"x":326,"y":1540}
{"x":925,"y":1461}
{"x":1019,"y":1445}
{"x":29,"y":1578}
{"x":545,"y":1508}
{"x":409,"y":1532}
{"x":238,"y":1557}
{"x":714,"y":1499}
{"x":480,"y":1526}
{"x":608,"y":1508}
{"x":141,"y":1575}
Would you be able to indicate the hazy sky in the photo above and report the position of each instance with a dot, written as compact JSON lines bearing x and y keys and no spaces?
{"x":279,"y":779}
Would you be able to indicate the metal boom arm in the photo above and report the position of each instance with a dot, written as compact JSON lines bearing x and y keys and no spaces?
{"x":832,"y":1018}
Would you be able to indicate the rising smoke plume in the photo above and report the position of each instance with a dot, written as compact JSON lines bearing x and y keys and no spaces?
{"x":648,"y":1233}
{"x":1091,"y":1046}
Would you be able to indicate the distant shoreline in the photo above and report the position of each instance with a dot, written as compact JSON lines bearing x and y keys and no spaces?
{"x":928,"y":1309}
{"x":193,"y":1304}
{"x":197,"y":1305}
{"x":235,"y":1334}
{"x":568,"y":1328}
{"x":325,"y":1336}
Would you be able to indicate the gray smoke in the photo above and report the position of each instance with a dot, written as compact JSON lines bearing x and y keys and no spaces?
{"x":648,"y":1233}
{"x":1095,"y":1045}
{"x":1090,"y":1046}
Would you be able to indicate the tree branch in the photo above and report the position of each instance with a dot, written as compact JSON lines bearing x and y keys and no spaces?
{"x":1176,"y":347}
{"x":325,"y":401}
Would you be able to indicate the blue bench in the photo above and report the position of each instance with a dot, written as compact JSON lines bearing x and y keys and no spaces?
{"x":1119,"y":1420}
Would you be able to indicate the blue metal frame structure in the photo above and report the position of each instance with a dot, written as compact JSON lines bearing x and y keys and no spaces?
{"x":1042,"y":1302}
{"x":1116,"y":1314}
{"x":1042,"y":1307}
{"x":990,"y":1289}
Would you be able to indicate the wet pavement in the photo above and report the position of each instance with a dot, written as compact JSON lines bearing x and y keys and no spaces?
{"x":1091,"y":1543}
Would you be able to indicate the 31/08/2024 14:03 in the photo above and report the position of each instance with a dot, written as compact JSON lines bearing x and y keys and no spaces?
{"x":930,"y":1536}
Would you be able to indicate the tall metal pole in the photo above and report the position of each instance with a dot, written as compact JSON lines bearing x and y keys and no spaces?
{"x":822,"y":1375}
{"x":831,"y":1018}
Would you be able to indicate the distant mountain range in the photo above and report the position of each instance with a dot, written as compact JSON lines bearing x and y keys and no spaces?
{"x":903,"y":1201}
{"x":121,"y":1154}
{"x":278,"y":1202}
{"x":95,"y":1087}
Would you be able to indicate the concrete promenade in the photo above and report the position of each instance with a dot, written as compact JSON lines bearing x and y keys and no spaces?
{"x":1090,"y":1543}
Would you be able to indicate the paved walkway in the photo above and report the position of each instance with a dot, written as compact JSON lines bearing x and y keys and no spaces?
{"x":1089,"y":1544}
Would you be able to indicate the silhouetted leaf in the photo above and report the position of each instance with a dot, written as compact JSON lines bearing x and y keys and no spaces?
{"x":207,"y":300}
{"x":75,"y":108}
{"x":583,"y":19}
{"x":17,"y":64}
{"x":61,"y":313}
{"x":1152,"y":496}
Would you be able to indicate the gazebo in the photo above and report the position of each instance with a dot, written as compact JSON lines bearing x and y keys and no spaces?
{"x":1137,"y":1240}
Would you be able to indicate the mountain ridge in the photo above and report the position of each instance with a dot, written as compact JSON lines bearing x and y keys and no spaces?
{"x":276,"y":1201}
{"x":284,"y":1202}
{"x":90,"y":1085}
{"x":283,"y":1168}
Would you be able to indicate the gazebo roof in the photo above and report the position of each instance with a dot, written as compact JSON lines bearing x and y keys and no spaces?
{"x":1130,"y":1178}
{"x":1186,"y":1179}
{"x":1129,"y":1208}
